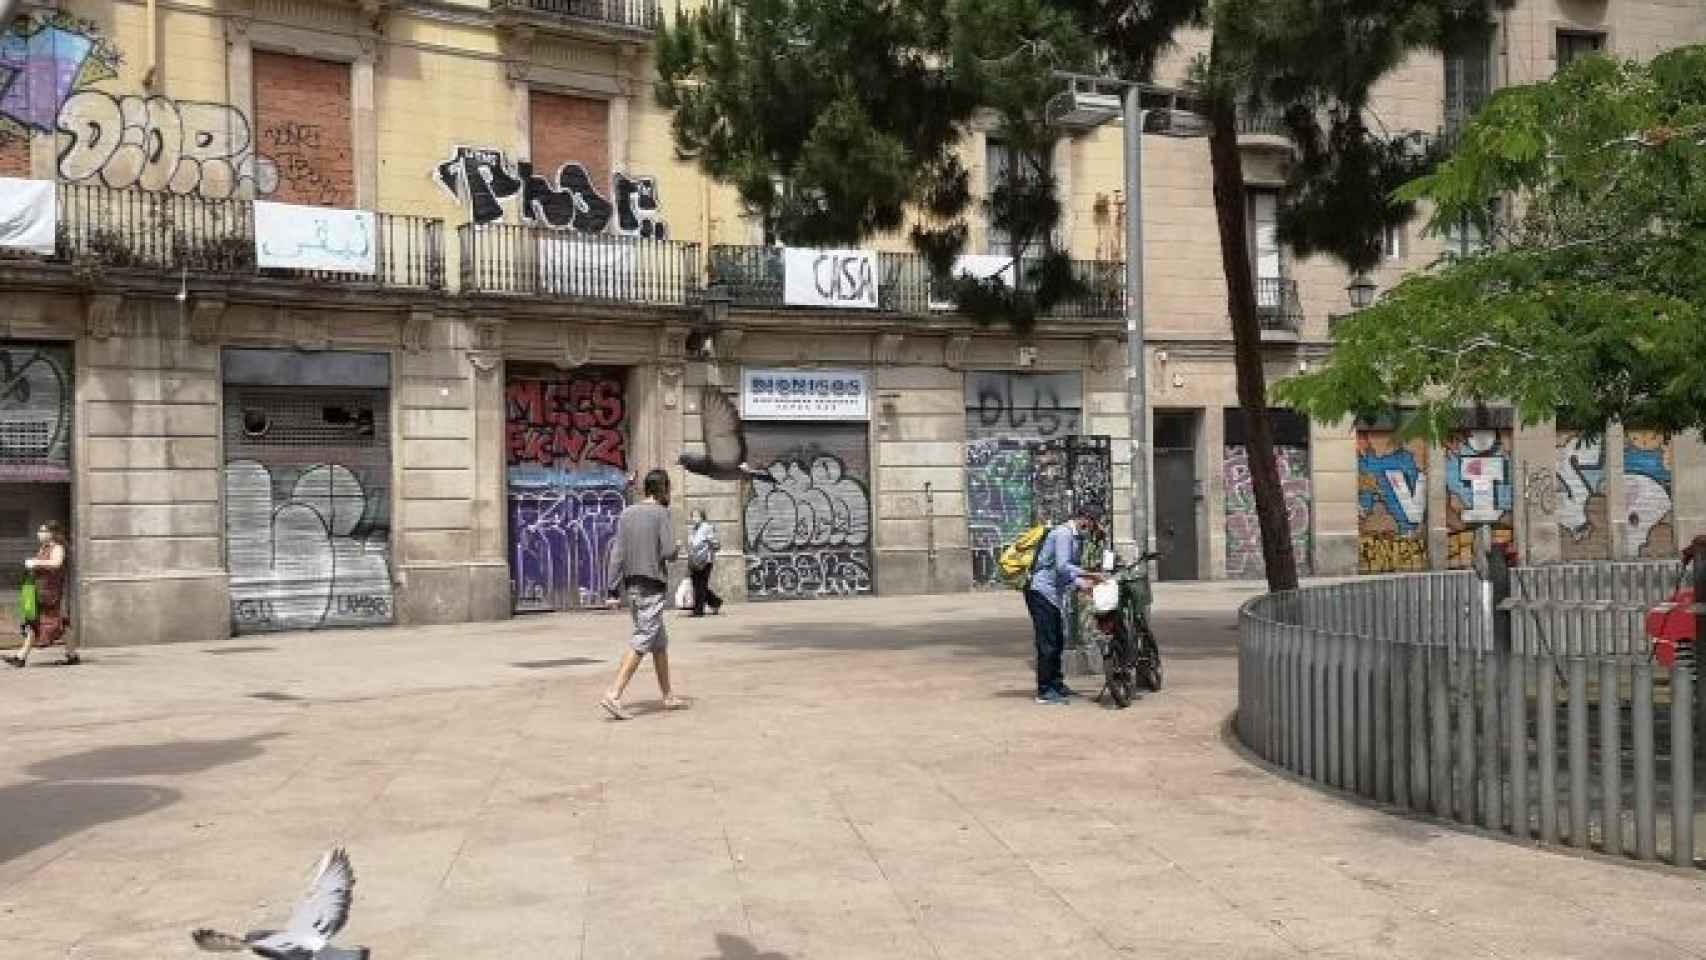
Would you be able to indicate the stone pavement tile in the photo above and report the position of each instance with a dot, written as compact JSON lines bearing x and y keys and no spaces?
{"x":1016,"y":919}
{"x":526,"y":932}
{"x":524,"y":873}
{"x":636,"y":924}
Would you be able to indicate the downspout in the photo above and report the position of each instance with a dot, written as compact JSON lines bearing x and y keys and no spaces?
{"x":150,"y":76}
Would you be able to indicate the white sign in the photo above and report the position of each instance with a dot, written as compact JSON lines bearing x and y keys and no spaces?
{"x":978,"y":266}
{"x":805,"y":395}
{"x":290,"y":237}
{"x":830,"y":278}
{"x":28,"y":214}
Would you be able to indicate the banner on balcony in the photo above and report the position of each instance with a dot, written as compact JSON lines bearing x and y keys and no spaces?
{"x":830,"y":278}
{"x":579,"y":265}
{"x":978,"y":266}
{"x":804,"y":395}
{"x":291,"y":237}
{"x":28,"y":214}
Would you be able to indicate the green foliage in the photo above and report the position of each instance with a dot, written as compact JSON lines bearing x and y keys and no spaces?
{"x":1591,"y":303}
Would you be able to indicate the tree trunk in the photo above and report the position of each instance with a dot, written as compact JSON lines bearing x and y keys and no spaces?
{"x":1229,"y":199}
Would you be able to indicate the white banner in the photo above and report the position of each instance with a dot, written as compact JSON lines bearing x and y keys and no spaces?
{"x":830,"y":278}
{"x":576,"y":264}
{"x":28,"y":215}
{"x":805,"y":395}
{"x":978,"y":266}
{"x":290,"y":237}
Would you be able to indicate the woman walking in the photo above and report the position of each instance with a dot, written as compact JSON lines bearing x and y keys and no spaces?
{"x":702,"y":547}
{"x":48,"y":627}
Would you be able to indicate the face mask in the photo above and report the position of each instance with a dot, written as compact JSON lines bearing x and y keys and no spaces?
{"x":43,"y":536}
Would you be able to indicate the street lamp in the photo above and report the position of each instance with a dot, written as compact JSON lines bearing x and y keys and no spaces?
{"x":1082,"y":107}
{"x":1361,"y":290}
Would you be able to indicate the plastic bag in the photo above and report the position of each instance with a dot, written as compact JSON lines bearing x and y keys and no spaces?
{"x":28,"y":605}
{"x":684,"y":595}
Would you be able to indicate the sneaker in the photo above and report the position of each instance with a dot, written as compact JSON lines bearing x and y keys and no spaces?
{"x":613,"y":707}
{"x":1066,"y":691}
{"x":1051,"y":699}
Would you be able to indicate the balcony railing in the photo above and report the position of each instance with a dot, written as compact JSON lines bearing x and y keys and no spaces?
{"x":629,"y":14}
{"x":753,"y":277}
{"x":129,"y":229}
{"x":1277,"y":304}
{"x":1261,"y":122}
{"x":513,"y":260}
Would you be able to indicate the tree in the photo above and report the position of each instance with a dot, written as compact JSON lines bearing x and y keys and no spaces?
{"x":1589,"y":303}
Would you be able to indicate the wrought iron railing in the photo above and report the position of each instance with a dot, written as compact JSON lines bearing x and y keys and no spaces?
{"x":1261,"y":122}
{"x":536,"y":261}
{"x":635,"y":14}
{"x":753,"y":277}
{"x":1277,"y":304}
{"x":1544,"y":716}
{"x":100,"y":228}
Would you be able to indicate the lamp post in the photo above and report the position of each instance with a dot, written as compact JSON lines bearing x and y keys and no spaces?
{"x":1083,"y":107}
{"x":1361,"y":290}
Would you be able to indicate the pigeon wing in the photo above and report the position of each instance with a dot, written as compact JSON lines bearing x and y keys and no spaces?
{"x":725,"y":438}
{"x":325,"y":910}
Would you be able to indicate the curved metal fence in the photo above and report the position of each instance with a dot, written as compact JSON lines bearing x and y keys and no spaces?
{"x":1541,"y":714}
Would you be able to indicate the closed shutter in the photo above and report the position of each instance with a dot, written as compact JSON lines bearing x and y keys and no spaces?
{"x":35,"y":413}
{"x":808,"y":527}
{"x":307,"y":507}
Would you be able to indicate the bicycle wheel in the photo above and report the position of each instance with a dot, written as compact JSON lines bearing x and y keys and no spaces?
{"x":1120,"y":669}
{"x":1149,"y":659}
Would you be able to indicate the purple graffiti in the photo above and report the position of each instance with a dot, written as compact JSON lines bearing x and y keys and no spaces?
{"x":560,"y":542}
{"x":39,"y":71}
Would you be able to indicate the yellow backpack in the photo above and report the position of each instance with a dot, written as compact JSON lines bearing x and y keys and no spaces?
{"x":1019,"y":558}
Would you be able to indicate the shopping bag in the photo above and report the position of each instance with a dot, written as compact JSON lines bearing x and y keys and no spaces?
{"x":28,"y":602}
{"x":684,"y":595}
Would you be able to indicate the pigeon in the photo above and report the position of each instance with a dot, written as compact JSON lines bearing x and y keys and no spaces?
{"x":316,"y":920}
{"x":725,"y":441}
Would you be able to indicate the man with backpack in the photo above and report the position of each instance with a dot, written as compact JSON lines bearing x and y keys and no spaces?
{"x":1053,"y":572}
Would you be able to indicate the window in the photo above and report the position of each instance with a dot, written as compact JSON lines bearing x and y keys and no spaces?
{"x":1265,"y":257}
{"x":1466,"y":237}
{"x":1575,"y":44}
{"x":1468,"y":80}
{"x":1392,"y":246}
{"x":997,"y":167}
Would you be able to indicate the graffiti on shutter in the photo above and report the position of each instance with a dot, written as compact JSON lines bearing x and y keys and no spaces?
{"x":999,"y":501}
{"x":1072,"y":473}
{"x":808,"y":526}
{"x":307,"y":507}
{"x":1244,"y":530}
{"x":567,"y":465}
{"x":35,"y":413}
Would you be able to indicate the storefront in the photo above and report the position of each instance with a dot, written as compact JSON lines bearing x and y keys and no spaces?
{"x":566,"y":442}
{"x":807,"y":522}
{"x":36,"y":400}
{"x":1009,"y":415}
{"x":307,"y":489}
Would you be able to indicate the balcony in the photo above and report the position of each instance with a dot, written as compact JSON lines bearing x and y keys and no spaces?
{"x":1278,"y":307}
{"x":1262,"y":128}
{"x":508,"y":260}
{"x":753,"y":277}
{"x":102,"y":229}
{"x":614,"y":19}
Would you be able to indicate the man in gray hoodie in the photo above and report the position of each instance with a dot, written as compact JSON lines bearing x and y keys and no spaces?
{"x":639,"y":571}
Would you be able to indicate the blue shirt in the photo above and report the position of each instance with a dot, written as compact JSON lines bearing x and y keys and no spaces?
{"x":1057,"y":565}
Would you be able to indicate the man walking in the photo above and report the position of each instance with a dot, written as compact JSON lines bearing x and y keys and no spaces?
{"x":639,"y":570}
{"x":1056,"y":571}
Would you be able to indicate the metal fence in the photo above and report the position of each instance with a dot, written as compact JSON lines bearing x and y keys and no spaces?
{"x":638,"y":14}
{"x":534,"y":261}
{"x":1543,"y":715}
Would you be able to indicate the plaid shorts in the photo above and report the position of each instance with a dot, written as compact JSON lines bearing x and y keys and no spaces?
{"x":646,"y":604}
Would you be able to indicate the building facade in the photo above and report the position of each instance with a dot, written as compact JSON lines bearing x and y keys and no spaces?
{"x":351,"y":312}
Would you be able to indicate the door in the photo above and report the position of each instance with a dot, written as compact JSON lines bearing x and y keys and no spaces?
{"x":808,"y":526}
{"x":35,"y":458}
{"x":1176,"y":513}
{"x":566,"y":465}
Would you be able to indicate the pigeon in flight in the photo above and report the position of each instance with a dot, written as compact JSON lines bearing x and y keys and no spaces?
{"x":725,"y":441}
{"x":316,"y":920}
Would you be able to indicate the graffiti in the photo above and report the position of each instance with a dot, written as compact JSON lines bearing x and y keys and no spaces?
{"x":1092,"y":481}
{"x":1479,"y":492}
{"x":43,"y":60}
{"x":308,"y":547}
{"x":306,"y":183}
{"x":158,"y":144}
{"x":1391,"y":503}
{"x":1028,"y":405}
{"x":999,"y":501}
{"x":560,"y":545}
{"x":483,"y":179}
{"x":1243,"y":530}
{"x":281,"y":135}
{"x":808,"y":573}
{"x":1648,"y":473}
{"x":35,"y":413}
{"x":567,"y":426}
{"x":1581,"y":503}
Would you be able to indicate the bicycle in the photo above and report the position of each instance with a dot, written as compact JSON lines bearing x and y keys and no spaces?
{"x":1130,"y":654}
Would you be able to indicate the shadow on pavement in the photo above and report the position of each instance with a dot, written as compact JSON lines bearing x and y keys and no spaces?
{"x":1002,"y":637}
{"x":173,"y":758}
{"x":731,"y":947}
{"x":34,"y":815}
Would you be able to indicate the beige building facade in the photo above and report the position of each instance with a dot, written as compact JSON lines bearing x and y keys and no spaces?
{"x":368,"y":311}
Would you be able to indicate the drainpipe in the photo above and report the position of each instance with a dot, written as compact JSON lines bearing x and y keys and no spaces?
{"x":930,"y":536}
{"x":151,"y":75}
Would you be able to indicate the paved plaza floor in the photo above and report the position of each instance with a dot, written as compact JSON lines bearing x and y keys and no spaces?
{"x":856,"y":778}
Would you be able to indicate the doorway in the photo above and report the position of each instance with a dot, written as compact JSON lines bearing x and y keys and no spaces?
{"x":1176,"y":494}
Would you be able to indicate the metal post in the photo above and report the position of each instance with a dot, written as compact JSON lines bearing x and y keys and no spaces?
{"x":1135,"y":363}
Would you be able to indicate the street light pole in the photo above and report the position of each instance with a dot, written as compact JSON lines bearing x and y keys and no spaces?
{"x":1136,"y":387}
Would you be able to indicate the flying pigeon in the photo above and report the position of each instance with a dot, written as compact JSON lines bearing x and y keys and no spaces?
{"x":316,"y":920}
{"x":725,"y":441}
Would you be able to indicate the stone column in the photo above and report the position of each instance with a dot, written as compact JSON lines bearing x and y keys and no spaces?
{"x":1616,"y":494}
{"x":1333,"y":489}
{"x":1534,"y":465}
{"x":1211,"y":473}
{"x":364,"y":118}
{"x":1439,"y":532}
{"x":1688,"y":493}
{"x":239,"y":77}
